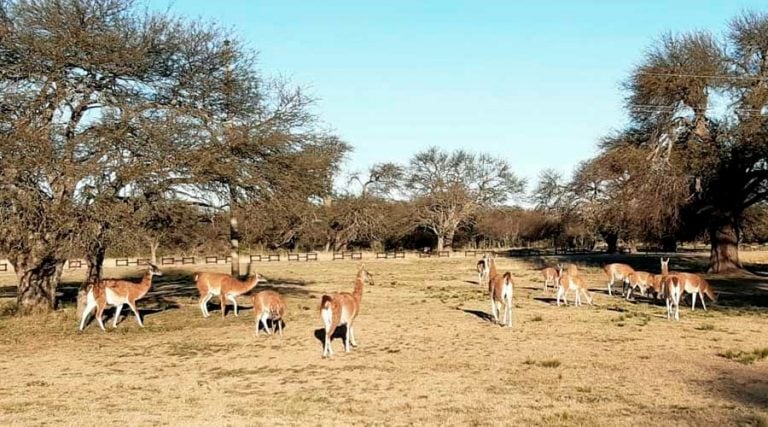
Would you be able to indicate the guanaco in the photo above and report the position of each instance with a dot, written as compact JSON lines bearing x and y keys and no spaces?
{"x":342,"y":308}
{"x":696,"y":285}
{"x":116,"y":292}
{"x":501,"y":290}
{"x":224,"y":286}
{"x":615,"y":272}
{"x":551,"y":276}
{"x":576,"y":284}
{"x":269,"y":305}
{"x":672,"y":289}
{"x":692,"y":284}
{"x":482,"y":270}
{"x":571,"y":269}
{"x":641,"y":280}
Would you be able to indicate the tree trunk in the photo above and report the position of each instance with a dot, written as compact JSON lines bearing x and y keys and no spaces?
{"x":439,"y":242}
{"x":724,"y":252}
{"x":612,"y":239}
{"x":153,"y":246}
{"x":448,"y":243}
{"x":94,"y":257}
{"x":669,"y":244}
{"x":37,"y":287}
{"x":234,"y":244}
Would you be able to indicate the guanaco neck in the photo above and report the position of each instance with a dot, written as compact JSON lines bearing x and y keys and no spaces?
{"x":664,"y":268}
{"x":492,"y":270}
{"x":357,"y":294}
{"x":146,"y":283}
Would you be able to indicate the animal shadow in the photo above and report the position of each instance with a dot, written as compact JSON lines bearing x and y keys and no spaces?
{"x":481,"y":314}
{"x":271,"y":324}
{"x":340,"y":332}
{"x":547,"y":300}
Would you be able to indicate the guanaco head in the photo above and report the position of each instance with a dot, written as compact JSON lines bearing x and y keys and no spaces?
{"x":154,"y":270}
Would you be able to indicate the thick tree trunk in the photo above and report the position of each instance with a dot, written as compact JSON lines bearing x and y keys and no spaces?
{"x":37,"y":287}
{"x":669,"y":244}
{"x":724,"y":252}
{"x":439,"y":242}
{"x":448,"y":242}
{"x":612,"y":239}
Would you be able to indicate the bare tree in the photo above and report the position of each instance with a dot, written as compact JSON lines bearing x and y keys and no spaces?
{"x":447,"y":188}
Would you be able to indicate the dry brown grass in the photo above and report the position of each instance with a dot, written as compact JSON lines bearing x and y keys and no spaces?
{"x":427,"y":355}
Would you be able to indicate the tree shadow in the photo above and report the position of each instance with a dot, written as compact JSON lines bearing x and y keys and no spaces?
{"x":739,"y":384}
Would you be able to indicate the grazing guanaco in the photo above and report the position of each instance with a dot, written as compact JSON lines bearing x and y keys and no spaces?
{"x":269,"y":305}
{"x":576,"y":284}
{"x":116,"y":293}
{"x":617,"y":271}
{"x":342,"y":308}
{"x":696,"y":285}
{"x":672,"y":289}
{"x":501,"y":290}
{"x":224,"y":286}
{"x":641,"y":280}
{"x":550,"y":276}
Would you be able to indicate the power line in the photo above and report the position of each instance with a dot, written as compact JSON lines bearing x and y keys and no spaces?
{"x":704,"y":76}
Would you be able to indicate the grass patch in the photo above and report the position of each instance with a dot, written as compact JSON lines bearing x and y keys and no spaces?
{"x":746,"y":357}
{"x":705,"y":327}
{"x":536,"y":319}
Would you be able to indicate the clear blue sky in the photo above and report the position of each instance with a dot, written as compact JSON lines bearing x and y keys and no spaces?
{"x":535,"y":82}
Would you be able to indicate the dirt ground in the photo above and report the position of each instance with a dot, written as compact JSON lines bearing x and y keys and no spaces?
{"x":427,"y":355}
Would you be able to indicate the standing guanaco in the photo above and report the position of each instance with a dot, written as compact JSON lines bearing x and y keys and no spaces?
{"x":501,"y":290}
{"x":551,"y":276}
{"x":342,"y":308}
{"x":620,"y":272}
{"x":576,"y":284}
{"x":224,"y":286}
{"x":116,"y":293}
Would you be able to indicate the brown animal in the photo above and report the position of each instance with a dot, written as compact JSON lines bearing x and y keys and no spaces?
{"x":482,"y":270}
{"x":224,"y":286}
{"x":550,"y":276}
{"x":269,"y":305}
{"x":641,"y":280}
{"x":342,"y":308}
{"x":576,"y":284}
{"x":117,"y":292}
{"x":692,"y":284}
{"x":672,"y":289}
{"x":501,"y":290}
{"x":615,"y":272}
{"x":696,"y":285}
{"x":571,"y":269}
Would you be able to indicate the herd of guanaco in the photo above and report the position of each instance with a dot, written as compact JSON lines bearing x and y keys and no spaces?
{"x":342,"y":308}
{"x":337,"y":309}
{"x":667,"y":285}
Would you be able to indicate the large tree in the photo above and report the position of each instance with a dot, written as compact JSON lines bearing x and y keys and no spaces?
{"x":721,"y":157}
{"x":448,"y":187}
{"x":107,"y":109}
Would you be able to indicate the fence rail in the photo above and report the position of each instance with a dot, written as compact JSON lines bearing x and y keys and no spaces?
{"x":390,"y":255}
{"x":303,"y":257}
{"x":347,"y":255}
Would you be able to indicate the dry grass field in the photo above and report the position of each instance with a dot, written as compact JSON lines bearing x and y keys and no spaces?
{"x":427,"y":355}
